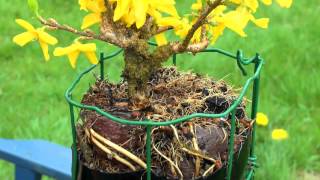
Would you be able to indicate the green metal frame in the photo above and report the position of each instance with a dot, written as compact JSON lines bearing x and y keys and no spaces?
{"x":149,"y":124}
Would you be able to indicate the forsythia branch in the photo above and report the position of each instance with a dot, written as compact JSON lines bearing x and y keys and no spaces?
{"x":107,"y":37}
{"x":199,"y":22}
{"x":163,"y":29}
{"x":193,"y":48}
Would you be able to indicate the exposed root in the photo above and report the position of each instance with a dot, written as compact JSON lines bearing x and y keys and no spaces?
{"x":112,"y":154}
{"x":198,"y":155}
{"x":169,"y":160}
{"x":196,"y":147}
{"x":225,"y":134}
{"x":175,"y":133}
{"x":209,"y":170}
{"x":119,"y":149}
{"x":190,"y":151}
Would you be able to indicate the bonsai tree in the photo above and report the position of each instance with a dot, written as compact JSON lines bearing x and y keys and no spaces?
{"x":130,"y":25}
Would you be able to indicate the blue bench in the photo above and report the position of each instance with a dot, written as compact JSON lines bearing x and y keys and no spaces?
{"x":34,"y":158}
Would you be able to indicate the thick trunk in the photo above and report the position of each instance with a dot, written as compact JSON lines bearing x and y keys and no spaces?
{"x":139,"y":66}
{"x":137,"y":72}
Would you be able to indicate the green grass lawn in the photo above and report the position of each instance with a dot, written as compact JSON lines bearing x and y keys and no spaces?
{"x":31,"y":91}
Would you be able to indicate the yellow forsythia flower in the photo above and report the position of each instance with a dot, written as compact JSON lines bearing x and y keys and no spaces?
{"x":129,"y":11}
{"x":279,"y":134}
{"x":96,"y":7}
{"x":267,"y":2}
{"x":75,"y":49}
{"x":161,"y":39}
{"x":136,"y":11}
{"x":92,"y":5}
{"x":262,"y":22}
{"x":34,"y":34}
{"x":197,"y":5}
{"x":262,"y":119}
{"x":282,"y":3}
{"x":181,"y":26}
{"x":252,"y":4}
{"x":216,"y":31}
{"x":236,"y":20}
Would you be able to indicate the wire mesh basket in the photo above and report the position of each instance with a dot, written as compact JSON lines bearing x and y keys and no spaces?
{"x":229,"y":171}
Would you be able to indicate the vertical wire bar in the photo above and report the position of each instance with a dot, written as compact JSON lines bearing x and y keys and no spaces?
{"x":250,"y":175}
{"x":148,"y":152}
{"x":255,"y":97}
{"x":254,"y":110}
{"x":231,"y":143}
{"x":74,"y":144}
{"x":101,"y":66}
{"x":174,"y":59}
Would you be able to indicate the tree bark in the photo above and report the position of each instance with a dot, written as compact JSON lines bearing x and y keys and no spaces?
{"x":137,"y":72}
{"x":139,"y":66}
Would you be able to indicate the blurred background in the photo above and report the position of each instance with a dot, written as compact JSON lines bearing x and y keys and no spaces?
{"x":32,"y":104}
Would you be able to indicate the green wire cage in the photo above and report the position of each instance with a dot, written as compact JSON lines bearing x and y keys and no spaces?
{"x":257,"y":63}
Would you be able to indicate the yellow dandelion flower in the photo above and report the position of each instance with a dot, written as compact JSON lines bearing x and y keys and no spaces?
{"x":279,"y":134}
{"x":75,"y":49}
{"x":262,"y":119}
{"x":34,"y":34}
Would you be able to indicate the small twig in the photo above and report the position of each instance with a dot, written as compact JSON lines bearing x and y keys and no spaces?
{"x":113,"y":155}
{"x":119,"y":149}
{"x":193,"y":48}
{"x":106,"y":37}
{"x":163,"y":29}
{"x":203,"y":32}
{"x":198,"y":23}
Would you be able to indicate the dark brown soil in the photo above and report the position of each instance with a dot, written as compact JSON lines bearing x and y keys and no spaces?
{"x":172,"y":95}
